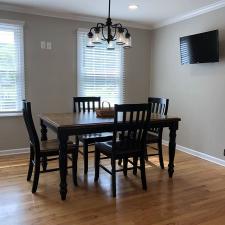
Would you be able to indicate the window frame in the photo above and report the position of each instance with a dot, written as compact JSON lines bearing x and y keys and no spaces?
{"x":6,"y":22}
{"x":79,"y":61}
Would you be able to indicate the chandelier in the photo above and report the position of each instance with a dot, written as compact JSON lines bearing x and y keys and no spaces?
{"x":112,"y":33}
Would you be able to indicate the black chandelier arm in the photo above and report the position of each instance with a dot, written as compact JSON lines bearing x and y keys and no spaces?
{"x":91,"y":29}
{"x":100,"y":25}
{"x":117,"y":25}
{"x":114,"y":34}
{"x":103,"y":35}
{"x":126,"y":30}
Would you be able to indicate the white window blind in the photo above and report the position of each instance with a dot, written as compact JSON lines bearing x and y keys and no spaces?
{"x":11,"y":67}
{"x":100,"y":71}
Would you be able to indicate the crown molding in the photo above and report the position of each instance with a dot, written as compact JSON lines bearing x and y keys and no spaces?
{"x":70,"y":16}
{"x":209,"y":8}
{"x":18,"y":22}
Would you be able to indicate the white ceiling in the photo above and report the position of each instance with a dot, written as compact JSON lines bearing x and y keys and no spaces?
{"x":151,"y":13}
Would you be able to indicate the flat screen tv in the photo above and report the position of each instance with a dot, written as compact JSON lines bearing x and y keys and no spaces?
{"x":200,"y":48}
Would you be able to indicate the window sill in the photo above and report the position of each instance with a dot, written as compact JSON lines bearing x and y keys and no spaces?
{"x":11,"y":114}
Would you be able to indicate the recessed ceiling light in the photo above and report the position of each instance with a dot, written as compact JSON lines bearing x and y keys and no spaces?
{"x":133,"y":7}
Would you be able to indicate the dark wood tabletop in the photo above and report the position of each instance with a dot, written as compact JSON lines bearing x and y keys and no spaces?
{"x":71,"y":120}
{"x":69,"y":124}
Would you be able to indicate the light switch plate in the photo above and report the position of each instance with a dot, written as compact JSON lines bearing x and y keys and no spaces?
{"x":49,"y":45}
{"x":43,"y":44}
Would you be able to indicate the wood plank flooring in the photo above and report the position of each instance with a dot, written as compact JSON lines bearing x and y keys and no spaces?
{"x":195,"y":195}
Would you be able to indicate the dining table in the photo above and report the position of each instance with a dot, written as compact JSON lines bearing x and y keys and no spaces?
{"x":66,"y":125}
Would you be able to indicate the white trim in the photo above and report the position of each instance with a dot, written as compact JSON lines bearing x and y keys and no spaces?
{"x":19,"y":22}
{"x":83,"y":30}
{"x":11,"y":114}
{"x":198,"y":154}
{"x":209,"y":8}
{"x":71,"y":16}
{"x":14,"y":151}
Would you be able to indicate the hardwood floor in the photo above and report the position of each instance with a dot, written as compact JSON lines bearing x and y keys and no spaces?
{"x":195,"y":196}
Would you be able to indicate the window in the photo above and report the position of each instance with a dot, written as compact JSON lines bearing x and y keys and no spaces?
{"x":11,"y":67}
{"x":100,"y":71}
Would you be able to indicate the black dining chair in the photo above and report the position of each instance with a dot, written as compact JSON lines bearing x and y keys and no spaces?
{"x":130,"y":123}
{"x":82,"y":105}
{"x":154,"y":135}
{"x":43,"y":152}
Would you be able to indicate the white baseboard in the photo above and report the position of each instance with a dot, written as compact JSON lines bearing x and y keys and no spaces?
{"x":14,"y":151}
{"x":178,"y":147}
{"x":198,"y":154}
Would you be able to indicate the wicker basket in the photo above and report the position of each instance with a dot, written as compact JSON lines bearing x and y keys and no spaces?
{"x":105,"y":112}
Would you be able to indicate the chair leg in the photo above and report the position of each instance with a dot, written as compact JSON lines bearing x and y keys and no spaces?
{"x":36,"y":174}
{"x":143,"y":176}
{"x":135,"y":161}
{"x":160,"y":154}
{"x":77,"y":149}
{"x":120,"y":162}
{"x":146,"y":153}
{"x":85,"y":155}
{"x":97,"y":162}
{"x":77,"y":141}
{"x":44,"y":163}
{"x":74,"y":164}
{"x":113,"y":163}
{"x":125,"y":161}
{"x":30,"y":169}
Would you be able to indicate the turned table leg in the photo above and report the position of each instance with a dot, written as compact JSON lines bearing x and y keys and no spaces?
{"x":172,"y":148}
{"x":63,"y":164}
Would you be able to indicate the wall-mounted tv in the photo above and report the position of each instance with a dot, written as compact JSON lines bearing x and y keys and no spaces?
{"x":200,"y":48}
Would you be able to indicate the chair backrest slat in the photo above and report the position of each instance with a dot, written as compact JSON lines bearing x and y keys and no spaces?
{"x":93,"y":105}
{"x":84,"y":108}
{"x":27,"y":115}
{"x":79,"y":108}
{"x":81,"y":104}
{"x":159,"y":106}
{"x":131,"y":122}
{"x":89,"y":107}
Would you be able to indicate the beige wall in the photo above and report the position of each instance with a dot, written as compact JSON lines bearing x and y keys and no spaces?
{"x":51,"y":75}
{"x":196,"y":92}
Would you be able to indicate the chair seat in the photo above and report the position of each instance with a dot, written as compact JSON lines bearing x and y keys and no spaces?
{"x":152,"y":138}
{"x":51,"y":147}
{"x":127,"y":148}
{"x":95,"y":137}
